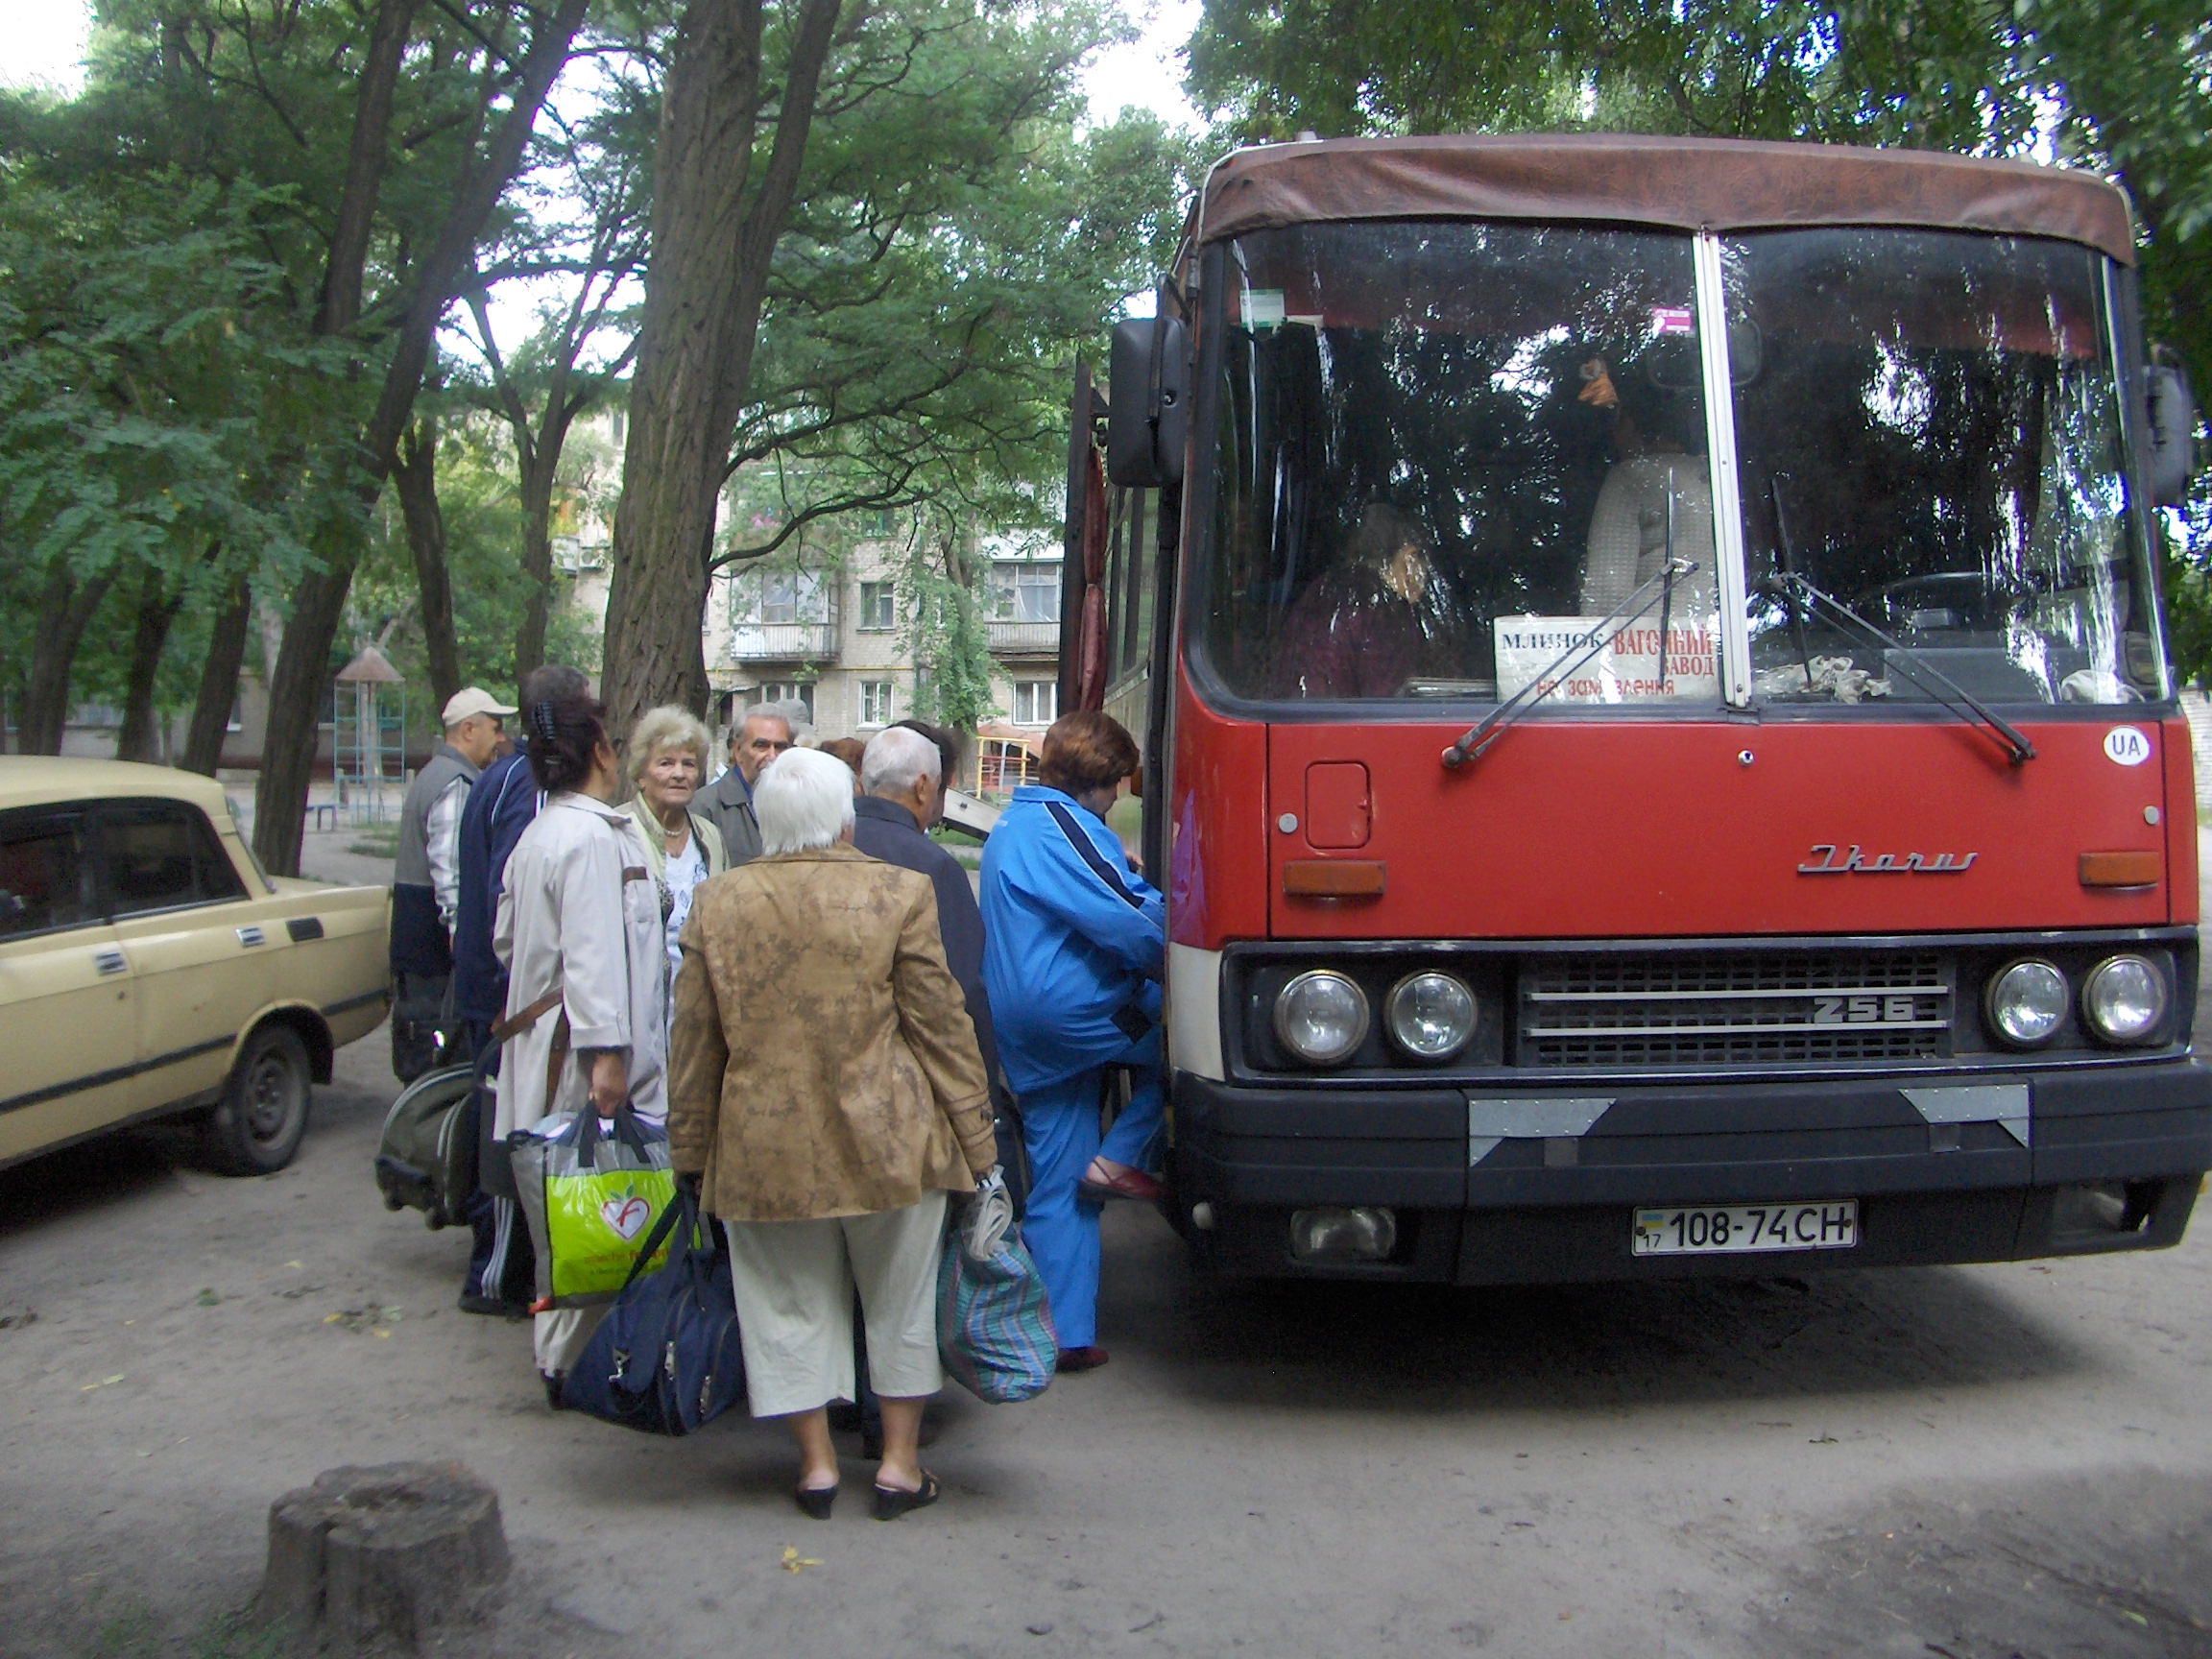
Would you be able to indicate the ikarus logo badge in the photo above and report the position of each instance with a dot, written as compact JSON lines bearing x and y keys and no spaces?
{"x":2127,"y":746}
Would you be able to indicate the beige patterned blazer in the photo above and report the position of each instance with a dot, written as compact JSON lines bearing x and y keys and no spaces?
{"x":822,"y":1062}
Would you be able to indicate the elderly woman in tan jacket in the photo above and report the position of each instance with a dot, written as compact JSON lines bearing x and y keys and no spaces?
{"x":825,"y":1086}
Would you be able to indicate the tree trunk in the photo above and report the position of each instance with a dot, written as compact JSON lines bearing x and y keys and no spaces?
{"x":703,"y":284}
{"x":415,"y":478}
{"x":65,"y":613}
{"x":340,"y":305}
{"x":538,"y":462}
{"x":140,"y":738}
{"x":303,"y":663}
{"x":219,"y":683}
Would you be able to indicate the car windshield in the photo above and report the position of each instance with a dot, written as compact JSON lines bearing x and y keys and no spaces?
{"x":1444,"y":448}
{"x":1931,"y":435}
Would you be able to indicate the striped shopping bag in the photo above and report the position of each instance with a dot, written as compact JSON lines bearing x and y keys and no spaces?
{"x":993,"y":1325}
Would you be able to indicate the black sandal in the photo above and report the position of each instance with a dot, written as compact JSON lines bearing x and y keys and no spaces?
{"x":815,"y":1501}
{"x":893,"y":1502}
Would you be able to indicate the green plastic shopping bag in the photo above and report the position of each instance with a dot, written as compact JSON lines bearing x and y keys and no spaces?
{"x":588,"y":1198}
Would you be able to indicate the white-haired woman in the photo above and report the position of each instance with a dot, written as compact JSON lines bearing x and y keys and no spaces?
{"x":668,"y":760}
{"x":827,"y":1090}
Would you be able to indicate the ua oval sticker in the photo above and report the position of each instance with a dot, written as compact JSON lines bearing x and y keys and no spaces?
{"x":2127,"y":746}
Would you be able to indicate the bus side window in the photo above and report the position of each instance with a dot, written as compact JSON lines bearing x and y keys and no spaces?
{"x":1136,"y":612}
{"x":1116,"y":577}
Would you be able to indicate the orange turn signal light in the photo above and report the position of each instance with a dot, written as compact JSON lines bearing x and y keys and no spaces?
{"x":2122,"y":869}
{"x":1332,"y":878}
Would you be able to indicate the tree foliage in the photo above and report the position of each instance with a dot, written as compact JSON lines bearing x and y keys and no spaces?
{"x":952,"y":238}
{"x":146,"y":365}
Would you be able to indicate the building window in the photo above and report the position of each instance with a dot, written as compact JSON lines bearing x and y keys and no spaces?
{"x":875,"y":702}
{"x":878,"y":612}
{"x":771,"y":596}
{"x":790,"y":691}
{"x":780,"y":598}
{"x":1036,"y":702}
{"x":1025,"y":593}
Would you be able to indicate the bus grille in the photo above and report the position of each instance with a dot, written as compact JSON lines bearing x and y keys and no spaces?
{"x":1733,"y":1008}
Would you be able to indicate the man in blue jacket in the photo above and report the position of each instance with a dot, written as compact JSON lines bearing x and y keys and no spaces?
{"x":1073,"y":946}
{"x":502,"y":801}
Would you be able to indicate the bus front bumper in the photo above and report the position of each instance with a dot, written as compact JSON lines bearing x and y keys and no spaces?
{"x":1540,"y":1185}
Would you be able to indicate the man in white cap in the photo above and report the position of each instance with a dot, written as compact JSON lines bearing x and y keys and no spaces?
{"x":426,"y":876}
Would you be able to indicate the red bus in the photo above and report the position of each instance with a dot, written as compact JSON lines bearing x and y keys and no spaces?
{"x":1657,"y":732}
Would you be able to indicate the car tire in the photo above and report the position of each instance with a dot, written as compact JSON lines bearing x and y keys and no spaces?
{"x":255,"y":1128}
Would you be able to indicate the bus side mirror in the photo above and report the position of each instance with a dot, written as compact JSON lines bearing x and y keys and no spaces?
{"x":1148,"y":410}
{"x":2172,"y":424}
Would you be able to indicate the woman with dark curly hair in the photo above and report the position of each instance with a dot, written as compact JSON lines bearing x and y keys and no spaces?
{"x":579,"y":929}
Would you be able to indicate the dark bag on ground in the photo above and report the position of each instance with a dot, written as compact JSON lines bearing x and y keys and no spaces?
{"x":426,"y":1157}
{"x":667,"y":1359}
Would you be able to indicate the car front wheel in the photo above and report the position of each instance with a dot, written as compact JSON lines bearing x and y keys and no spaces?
{"x":255,"y":1128}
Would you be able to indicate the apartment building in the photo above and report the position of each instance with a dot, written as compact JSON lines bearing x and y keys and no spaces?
{"x":836,"y":634}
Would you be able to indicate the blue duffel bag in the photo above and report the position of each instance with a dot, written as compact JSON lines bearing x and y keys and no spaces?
{"x":667,"y":1359}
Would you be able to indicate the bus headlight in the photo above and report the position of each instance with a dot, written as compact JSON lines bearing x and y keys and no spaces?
{"x":1431,"y":1015}
{"x":2028,"y":1003}
{"x":1321,"y":1017}
{"x":2124,"y":998}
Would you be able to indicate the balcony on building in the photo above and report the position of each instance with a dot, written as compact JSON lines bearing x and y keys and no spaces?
{"x":782,"y":616}
{"x":1024,"y":638}
{"x":783,"y":643}
{"x":1022,"y":617}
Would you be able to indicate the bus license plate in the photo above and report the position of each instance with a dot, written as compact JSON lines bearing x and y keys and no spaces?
{"x":1746,"y":1227}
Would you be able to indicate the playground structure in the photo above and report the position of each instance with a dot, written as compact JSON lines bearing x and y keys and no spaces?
{"x":369,"y":757}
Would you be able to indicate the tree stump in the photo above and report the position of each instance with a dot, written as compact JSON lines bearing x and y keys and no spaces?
{"x":384,"y":1560}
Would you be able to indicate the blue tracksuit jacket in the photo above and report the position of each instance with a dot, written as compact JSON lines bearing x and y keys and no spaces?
{"x":1073,"y":938}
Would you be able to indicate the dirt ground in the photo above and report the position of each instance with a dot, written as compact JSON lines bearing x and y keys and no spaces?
{"x":1976,"y":1462}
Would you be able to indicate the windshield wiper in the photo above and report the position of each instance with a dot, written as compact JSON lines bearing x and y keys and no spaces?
{"x":1554,"y":674}
{"x":1917,"y":669}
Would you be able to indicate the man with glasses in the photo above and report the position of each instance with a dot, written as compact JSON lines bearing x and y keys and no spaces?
{"x":759,"y":737}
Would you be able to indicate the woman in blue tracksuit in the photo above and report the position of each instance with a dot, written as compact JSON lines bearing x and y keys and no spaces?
{"x":1074,"y":941}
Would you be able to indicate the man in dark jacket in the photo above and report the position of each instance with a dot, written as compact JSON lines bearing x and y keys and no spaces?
{"x":759,"y":737}
{"x":502,"y":1269}
{"x":903,"y":794}
{"x":423,"y":879}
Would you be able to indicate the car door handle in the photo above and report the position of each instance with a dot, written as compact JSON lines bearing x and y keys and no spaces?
{"x":109,"y":961}
{"x":249,"y":936}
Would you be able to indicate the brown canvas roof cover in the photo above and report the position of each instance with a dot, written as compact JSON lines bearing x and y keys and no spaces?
{"x":1685,"y":184}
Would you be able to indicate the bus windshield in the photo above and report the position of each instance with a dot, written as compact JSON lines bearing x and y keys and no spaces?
{"x":1444,"y":451}
{"x":1933,"y":436}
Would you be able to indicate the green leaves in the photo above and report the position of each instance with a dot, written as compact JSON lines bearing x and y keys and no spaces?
{"x":144,"y":374}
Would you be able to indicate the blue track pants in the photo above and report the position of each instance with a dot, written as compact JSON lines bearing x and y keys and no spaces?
{"x":1060,"y":1126}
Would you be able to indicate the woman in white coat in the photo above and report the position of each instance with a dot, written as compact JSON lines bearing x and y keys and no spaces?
{"x":579,"y":929}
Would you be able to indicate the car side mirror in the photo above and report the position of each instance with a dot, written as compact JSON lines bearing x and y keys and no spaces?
{"x":2173,"y":427}
{"x":1148,"y":403}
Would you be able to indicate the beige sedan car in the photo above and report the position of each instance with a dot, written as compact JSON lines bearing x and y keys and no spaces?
{"x":148,"y":967}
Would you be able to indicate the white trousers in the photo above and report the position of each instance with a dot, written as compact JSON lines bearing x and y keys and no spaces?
{"x":794,"y":1281}
{"x":559,"y":1336}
